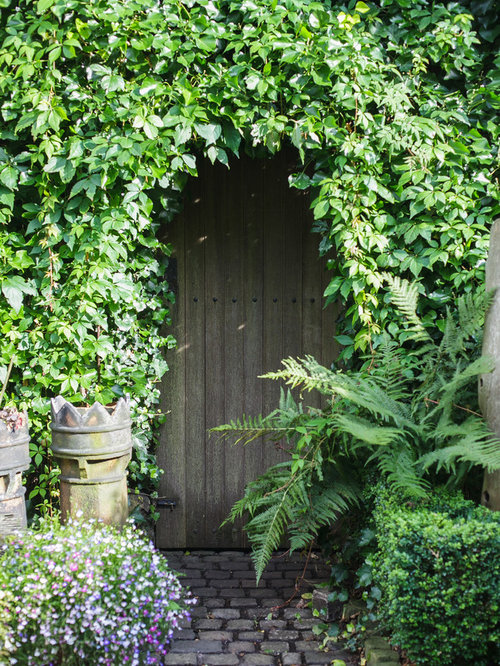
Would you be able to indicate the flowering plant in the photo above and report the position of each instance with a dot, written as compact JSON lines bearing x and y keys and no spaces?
{"x":86,"y":593}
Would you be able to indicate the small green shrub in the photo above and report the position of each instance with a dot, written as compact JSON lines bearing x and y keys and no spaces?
{"x":86,"y":593}
{"x":438,"y":567}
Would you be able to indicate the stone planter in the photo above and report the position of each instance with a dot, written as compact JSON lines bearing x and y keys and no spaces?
{"x":14,"y":460}
{"x":93,"y":447}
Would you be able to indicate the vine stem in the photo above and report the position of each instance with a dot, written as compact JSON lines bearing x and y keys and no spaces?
{"x":7,"y":376}
{"x":298,"y":582}
{"x":464,"y":409}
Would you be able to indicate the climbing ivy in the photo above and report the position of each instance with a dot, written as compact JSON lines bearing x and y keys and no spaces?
{"x":106,"y":107}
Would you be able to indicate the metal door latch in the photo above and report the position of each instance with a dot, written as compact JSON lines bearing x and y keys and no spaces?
{"x":164,"y":503}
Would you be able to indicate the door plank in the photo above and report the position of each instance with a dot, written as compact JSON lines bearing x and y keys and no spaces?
{"x":195,"y":374}
{"x":171,"y":455}
{"x":273,"y":290}
{"x":214,"y":351}
{"x":251,"y":181}
{"x":234,"y":480}
{"x":311,"y":303}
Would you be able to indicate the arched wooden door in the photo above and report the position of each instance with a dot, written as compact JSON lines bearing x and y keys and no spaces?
{"x":250,"y":287}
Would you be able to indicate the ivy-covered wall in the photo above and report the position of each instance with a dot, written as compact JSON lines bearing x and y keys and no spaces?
{"x":105,"y":106}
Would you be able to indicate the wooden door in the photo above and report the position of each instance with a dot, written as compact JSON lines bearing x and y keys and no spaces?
{"x":249,"y":294}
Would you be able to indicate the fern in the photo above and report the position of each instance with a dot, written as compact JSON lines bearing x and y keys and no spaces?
{"x":472,"y":309}
{"x":402,"y":419}
{"x":405,"y":296}
{"x":275,"y":426}
{"x":366,"y":431}
{"x":471,"y":441}
{"x":276,"y":511}
{"x":401,"y":470}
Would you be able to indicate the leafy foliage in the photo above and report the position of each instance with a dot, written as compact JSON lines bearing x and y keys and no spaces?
{"x":85,"y":593}
{"x":438,"y":569}
{"x":404,"y":421}
{"x":107,"y":105}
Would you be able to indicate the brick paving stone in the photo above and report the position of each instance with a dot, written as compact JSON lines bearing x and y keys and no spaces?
{"x":239,"y":647}
{"x":317,"y":658}
{"x":273,"y":647}
{"x":226,"y":613}
{"x":232,"y":592}
{"x":272,"y":624}
{"x":183,"y":635}
{"x":193,"y":573}
{"x":257,"y":660}
{"x":283,"y":635}
{"x":242,"y":603}
{"x":215,"y":635}
{"x":272,"y":574}
{"x":281,"y":582}
{"x":225,"y":582}
{"x":173,"y":658}
{"x":192,"y":563}
{"x":292,"y":659}
{"x":218,"y":574}
{"x":257,"y":613}
{"x":204,"y":591}
{"x":244,"y":565}
{"x":271,"y":603}
{"x":291,"y":613}
{"x":252,"y":583}
{"x":304,"y":646}
{"x":197,"y":646}
{"x":215,"y":603}
{"x":207,"y":623}
{"x":258,"y":593}
{"x":194,"y":582}
{"x":306,"y":623}
{"x":251,"y":636}
{"x":199,"y":611}
{"x":220,"y":659}
{"x":239,"y":625}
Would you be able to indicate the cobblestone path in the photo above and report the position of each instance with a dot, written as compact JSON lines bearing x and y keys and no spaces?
{"x":235,"y":622}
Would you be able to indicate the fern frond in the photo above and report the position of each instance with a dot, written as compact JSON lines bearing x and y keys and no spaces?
{"x":305,"y":372}
{"x":472,"y":309}
{"x":449,"y":393}
{"x":404,"y":295}
{"x":471,"y":441}
{"x":249,"y":428}
{"x":388,"y":369}
{"x":327,"y":501}
{"x":266,"y":529}
{"x":366,"y":431}
{"x":356,"y":389}
{"x":400,"y":468}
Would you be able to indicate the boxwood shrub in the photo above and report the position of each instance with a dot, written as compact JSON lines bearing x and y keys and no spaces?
{"x":438,"y":567}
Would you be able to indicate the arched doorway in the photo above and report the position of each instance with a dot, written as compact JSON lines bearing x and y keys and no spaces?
{"x":249,"y":293}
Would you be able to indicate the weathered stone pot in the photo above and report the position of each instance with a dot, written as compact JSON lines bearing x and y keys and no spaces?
{"x":93,"y":447}
{"x":14,"y":460}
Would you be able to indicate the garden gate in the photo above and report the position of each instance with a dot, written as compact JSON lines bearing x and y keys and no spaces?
{"x":249,"y":292}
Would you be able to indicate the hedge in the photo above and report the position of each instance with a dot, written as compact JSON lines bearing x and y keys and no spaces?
{"x":438,"y":567}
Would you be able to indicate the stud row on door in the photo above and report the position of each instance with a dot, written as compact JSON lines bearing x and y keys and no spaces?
{"x":254,"y":299}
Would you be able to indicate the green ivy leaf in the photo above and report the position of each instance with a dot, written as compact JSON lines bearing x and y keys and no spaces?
{"x":13,"y":288}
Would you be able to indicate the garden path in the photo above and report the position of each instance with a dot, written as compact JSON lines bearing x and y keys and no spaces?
{"x":237,"y":623}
